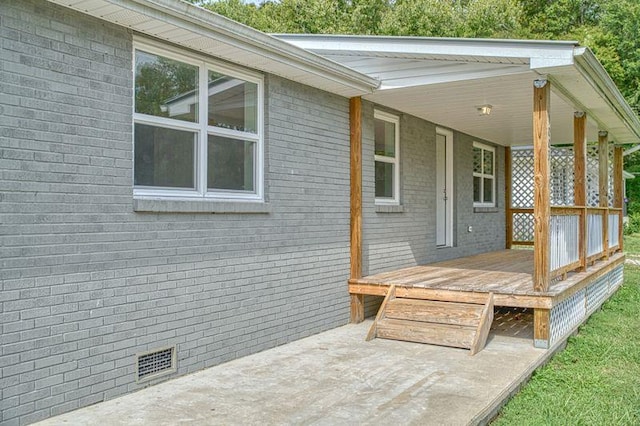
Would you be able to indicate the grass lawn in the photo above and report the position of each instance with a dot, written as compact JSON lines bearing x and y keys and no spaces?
{"x":596,"y":379}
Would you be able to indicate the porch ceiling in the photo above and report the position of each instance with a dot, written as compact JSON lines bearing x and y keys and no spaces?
{"x":445,"y":80}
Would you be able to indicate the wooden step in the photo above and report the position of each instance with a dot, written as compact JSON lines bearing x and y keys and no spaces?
{"x":458,"y":336}
{"x":460,"y":325}
{"x":433,"y":311}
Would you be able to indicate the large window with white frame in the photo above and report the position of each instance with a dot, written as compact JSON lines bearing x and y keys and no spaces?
{"x":197,"y":127}
{"x":484,"y":176}
{"x":387,"y":158}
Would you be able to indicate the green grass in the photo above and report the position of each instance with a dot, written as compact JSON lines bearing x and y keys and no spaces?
{"x":596,"y":379}
{"x":632,"y":244}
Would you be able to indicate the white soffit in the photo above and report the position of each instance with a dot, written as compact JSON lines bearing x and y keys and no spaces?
{"x":195,"y":28}
{"x":444,"y":80}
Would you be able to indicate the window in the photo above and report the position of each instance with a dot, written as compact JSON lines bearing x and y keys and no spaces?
{"x":197,"y":128}
{"x":484,"y":160}
{"x":387,"y":152}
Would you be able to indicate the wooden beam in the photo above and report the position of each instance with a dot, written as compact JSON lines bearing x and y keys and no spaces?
{"x":580,"y":180}
{"x":580,"y":159}
{"x":617,"y":177}
{"x":391,"y":294}
{"x":541,"y":328}
{"x":355,"y":124}
{"x":507,"y":198}
{"x":618,"y":189}
{"x":541,"y":178}
{"x":603,"y":187}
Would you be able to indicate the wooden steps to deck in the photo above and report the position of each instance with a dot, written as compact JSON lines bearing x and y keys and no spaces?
{"x":461,"y":325}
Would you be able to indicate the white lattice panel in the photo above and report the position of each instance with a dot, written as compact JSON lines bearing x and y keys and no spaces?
{"x":566,"y":315}
{"x":616,"y":277}
{"x":561,"y":165}
{"x":522,"y":227}
{"x":610,"y":180}
{"x":522,"y":178}
{"x":597,"y":293}
{"x":593,"y":174}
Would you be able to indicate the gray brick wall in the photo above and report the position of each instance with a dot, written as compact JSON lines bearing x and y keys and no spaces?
{"x":86,"y":282}
{"x":407,"y":238}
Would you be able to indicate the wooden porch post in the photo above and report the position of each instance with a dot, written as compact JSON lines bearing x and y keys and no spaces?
{"x":580,"y":179}
{"x":507,"y":198}
{"x":618,"y":188}
{"x":603,"y":186}
{"x":541,"y":206}
{"x":541,"y":197}
{"x":355,"y":124}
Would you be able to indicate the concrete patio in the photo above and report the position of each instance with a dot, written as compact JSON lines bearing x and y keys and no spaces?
{"x":337,"y":378}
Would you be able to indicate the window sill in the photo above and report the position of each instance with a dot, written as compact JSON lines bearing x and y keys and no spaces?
{"x":382,"y":208}
{"x":200,"y":206}
{"x":486,"y":210}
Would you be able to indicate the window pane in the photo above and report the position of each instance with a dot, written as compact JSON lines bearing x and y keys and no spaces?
{"x":488,"y":163}
{"x":488,"y":191}
{"x":166,"y":88}
{"x":230,"y":164}
{"x":385,"y":138}
{"x":164,"y":157}
{"x":232,"y":103}
{"x":384,"y":180}
{"x":477,"y":160}
{"x":476,"y":189}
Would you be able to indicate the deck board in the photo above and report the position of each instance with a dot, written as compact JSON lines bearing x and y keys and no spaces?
{"x":506,"y":273}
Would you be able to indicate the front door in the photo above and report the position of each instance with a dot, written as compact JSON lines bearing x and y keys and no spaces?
{"x":444,"y":188}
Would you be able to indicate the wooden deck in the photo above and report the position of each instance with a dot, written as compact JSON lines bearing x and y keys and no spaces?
{"x":508,"y":274}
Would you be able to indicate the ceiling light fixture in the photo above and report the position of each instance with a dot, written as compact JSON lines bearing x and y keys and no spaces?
{"x":484,"y":109}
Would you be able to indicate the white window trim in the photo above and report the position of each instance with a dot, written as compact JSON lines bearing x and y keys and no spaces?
{"x":205,"y":64}
{"x":384,"y":116}
{"x":482,"y":176}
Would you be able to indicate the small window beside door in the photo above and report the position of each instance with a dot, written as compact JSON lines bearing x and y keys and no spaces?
{"x":484,"y":187}
{"x":387,"y":156}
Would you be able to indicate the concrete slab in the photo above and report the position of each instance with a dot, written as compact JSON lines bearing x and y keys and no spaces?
{"x":335,"y":378}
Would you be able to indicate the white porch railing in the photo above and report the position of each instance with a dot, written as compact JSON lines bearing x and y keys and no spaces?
{"x":564,"y":241}
{"x":577,"y":235}
{"x":614,"y":230}
{"x":595,"y":226}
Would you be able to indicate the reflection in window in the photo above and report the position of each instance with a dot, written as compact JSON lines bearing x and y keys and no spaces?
{"x":175,"y":150}
{"x":230,"y":164}
{"x":384,"y":180}
{"x":164,"y":157}
{"x":386,"y":157}
{"x":232,"y":103}
{"x":166,"y":88}
{"x":483,"y":175}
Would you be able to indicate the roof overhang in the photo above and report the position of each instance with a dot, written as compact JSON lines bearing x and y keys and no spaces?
{"x":200,"y":30}
{"x":445,"y":80}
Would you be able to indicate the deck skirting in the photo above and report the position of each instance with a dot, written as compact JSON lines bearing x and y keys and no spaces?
{"x":567,"y":315}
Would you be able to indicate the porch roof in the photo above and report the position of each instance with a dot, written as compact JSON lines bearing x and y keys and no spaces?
{"x":444,"y":80}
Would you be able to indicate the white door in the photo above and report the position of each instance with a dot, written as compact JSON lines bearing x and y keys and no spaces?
{"x":444,"y":188}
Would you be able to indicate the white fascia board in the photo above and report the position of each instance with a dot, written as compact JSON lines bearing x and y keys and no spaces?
{"x":541,"y":53}
{"x":593,"y":71}
{"x":202,"y":22}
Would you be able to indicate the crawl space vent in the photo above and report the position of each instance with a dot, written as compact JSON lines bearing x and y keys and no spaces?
{"x":156,"y":363}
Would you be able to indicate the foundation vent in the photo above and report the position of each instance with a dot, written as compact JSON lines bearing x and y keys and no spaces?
{"x":155,"y":363}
